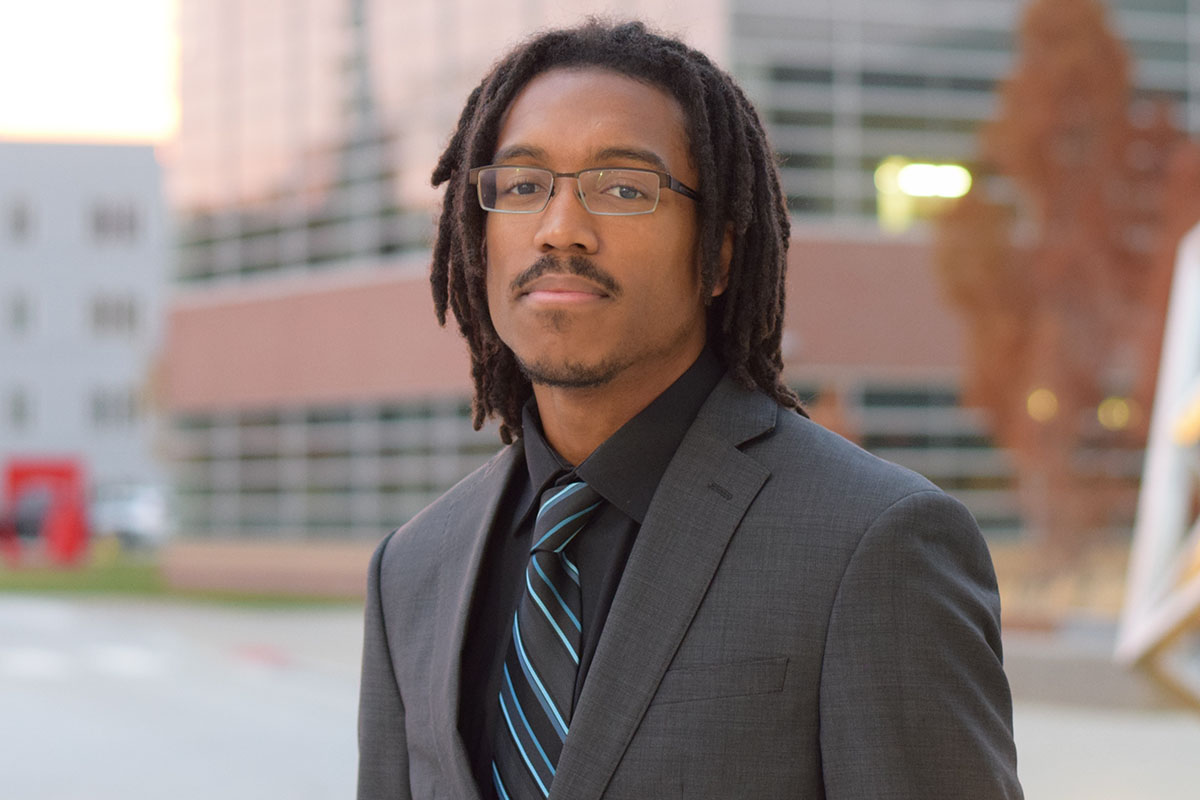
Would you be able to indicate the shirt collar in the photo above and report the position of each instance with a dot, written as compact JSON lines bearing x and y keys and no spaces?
{"x":626,"y":469}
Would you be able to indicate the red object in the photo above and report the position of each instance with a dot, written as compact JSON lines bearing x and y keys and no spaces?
{"x":45,"y":500}
{"x":10,"y":547}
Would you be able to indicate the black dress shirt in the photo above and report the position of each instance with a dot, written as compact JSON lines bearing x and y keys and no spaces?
{"x":625,"y":470}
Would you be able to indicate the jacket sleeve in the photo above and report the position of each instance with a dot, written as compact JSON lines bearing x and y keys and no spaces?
{"x":382,"y":744}
{"x":914,"y":703}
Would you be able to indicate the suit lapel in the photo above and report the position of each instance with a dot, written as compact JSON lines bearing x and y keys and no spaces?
{"x":699,"y":503}
{"x":466,"y":533}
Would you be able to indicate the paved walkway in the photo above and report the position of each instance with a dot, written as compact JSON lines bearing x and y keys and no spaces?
{"x":157,"y":700}
{"x":1087,"y":729}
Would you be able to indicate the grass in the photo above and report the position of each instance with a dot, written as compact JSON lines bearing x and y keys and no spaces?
{"x":125,"y":576}
{"x":109,"y":571}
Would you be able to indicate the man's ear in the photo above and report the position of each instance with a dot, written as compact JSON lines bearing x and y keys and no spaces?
{"x":722,"y":280}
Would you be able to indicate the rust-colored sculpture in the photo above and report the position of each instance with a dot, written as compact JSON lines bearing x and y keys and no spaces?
{"x":1064,"y":299}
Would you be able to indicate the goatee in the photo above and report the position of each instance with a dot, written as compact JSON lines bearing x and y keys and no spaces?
{"x":570,"y":374}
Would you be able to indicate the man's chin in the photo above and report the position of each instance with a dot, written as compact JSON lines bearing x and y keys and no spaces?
{"x":569,"y":374}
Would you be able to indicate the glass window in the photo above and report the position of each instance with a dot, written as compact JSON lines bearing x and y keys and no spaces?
{"x":114,"y":315}
{"x":19,"y":314}
{"x":20,"y":410}
{"x":114,"y":222}
{"x":114,"y":408}
{"x":19,"y":221}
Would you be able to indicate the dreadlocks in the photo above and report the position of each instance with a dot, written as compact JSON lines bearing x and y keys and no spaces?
{"x":740,"y":189}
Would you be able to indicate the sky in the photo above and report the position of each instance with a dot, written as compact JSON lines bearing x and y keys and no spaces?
{"x":85,"y":70}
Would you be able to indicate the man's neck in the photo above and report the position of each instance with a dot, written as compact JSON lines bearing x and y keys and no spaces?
{"x":577,"y":421}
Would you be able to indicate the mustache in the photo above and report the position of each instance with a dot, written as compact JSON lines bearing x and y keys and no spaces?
{"x":574,"y":265}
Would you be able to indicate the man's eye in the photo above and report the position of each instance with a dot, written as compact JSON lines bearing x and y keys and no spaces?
{"x":623,"y":191}
{"x":524,"y":188}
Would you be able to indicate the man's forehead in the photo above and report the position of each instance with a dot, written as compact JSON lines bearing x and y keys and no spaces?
{"x":655,"y":120}
{"x":602,"y":155}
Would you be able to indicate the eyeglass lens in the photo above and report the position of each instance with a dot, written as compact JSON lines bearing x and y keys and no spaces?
{"x":605,"y":191}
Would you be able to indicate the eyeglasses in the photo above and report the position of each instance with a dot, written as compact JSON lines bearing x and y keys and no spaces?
{"x":617,"y":192}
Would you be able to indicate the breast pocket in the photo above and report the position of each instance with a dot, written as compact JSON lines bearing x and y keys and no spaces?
{"x":733,"y":679}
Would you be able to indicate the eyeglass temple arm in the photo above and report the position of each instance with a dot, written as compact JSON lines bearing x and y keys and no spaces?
{"x":668,"y":180}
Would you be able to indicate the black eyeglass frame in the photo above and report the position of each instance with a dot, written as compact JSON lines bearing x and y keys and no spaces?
{"x":665,"y":181}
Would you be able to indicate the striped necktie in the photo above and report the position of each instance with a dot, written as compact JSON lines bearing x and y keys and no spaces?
{"x":538,"y":685}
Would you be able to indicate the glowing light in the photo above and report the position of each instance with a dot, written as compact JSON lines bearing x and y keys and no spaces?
{"x":905,"y":190}
{"x":895,"y":209}
{"x":1187,"y":429}
{"x":934,"y":180}
{"x":887,"y":174}
{"x":1115,"y":413}
{"x":1042,"y":405}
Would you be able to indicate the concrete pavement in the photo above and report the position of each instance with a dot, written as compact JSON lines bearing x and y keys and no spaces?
{"x":105,"y":699}
{"x":1086,"y":728}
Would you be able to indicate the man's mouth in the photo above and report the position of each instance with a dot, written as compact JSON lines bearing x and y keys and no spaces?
{"x":576,"y":275}
{"x":562,"y":289}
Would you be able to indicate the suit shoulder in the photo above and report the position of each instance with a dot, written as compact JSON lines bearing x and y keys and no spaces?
{"x":810,"y":445}
{"x":841,"y":495}
{"x":428,"y":527}
{"x":809,"y":466}
{"x":800,"y":450}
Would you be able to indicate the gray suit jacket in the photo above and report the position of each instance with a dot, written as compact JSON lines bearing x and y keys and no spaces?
{"x":797,"y":619}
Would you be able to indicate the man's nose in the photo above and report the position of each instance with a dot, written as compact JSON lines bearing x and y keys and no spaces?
{"x":565,"y":223}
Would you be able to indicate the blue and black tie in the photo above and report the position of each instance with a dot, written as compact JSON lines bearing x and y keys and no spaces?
{"x":537,"y":689}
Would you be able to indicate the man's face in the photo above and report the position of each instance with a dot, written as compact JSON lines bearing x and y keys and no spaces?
{"x":586,"y":300}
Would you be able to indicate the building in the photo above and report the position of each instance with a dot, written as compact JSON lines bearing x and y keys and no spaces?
{"x":845,"y":85}
{"x":312,"y":394}
{"x":84,"y":249}
{"x":307,"y":139}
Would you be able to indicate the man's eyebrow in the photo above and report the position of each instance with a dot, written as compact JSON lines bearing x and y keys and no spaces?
{"x":519,"y":151}
{"x":598,"y":158}
{"x":631,"y":153}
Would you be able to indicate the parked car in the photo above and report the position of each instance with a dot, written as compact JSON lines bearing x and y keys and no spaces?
{"x":136,"y":514}
{"x":30,"y":510}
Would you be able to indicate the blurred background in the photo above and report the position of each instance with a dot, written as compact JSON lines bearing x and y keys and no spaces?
{"x":221,"y":379}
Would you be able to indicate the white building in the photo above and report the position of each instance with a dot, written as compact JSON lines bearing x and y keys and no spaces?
{"x":83,"y":267}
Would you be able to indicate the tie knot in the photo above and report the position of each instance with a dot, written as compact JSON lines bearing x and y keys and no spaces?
{"x":563,"y":512}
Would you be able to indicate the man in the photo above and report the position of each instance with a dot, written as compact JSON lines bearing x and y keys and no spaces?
{"x":670,"y":583}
